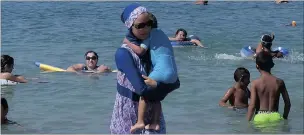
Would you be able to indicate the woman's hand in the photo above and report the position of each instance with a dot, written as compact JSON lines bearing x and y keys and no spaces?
{"x":150,"y":82}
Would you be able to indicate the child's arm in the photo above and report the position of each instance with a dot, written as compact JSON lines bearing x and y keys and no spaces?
{"x":137,"y":49}
{"x":251,"y":107}
{"x":15,"y":78}
{"x":226,"y":97}
{"x":286,"y":99}
{"x":196,"y":42}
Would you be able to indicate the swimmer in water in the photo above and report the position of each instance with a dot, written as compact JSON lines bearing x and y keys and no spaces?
{"x":281,"y":1}
{"x":7,"y":66}
{"x":265,"y":93}
{"x":265,"y":46}
{"x":91,"y":59}
{"x":293,"y":24}
{"x":238,"y":94}
{"x":198,"y":2}
{"x":181,"y":35}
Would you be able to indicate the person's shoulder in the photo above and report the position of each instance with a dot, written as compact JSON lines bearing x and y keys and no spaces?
{"x":5,"y":75}
{"x":121,"y":52}
{"x":255,"y":82}
{"x":279,"y":80}
{"x":233,"y":88}
{"x":79,"y":65}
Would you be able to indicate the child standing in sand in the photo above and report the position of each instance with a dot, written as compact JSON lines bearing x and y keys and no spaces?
{"x":238,"y":94}
{"x":143,"y":34}
{"x":265,"y":93}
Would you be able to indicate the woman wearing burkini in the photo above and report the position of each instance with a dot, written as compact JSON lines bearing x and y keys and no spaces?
{"x":131,"y":85}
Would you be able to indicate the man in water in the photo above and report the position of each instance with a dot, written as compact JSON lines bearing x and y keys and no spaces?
{"x":265,"y":93}
{"x":91,"y":64}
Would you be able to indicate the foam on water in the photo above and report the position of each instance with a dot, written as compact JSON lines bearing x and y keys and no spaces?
{"x":225,"y":56}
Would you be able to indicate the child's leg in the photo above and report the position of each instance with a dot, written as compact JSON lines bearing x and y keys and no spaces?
{"x":140,"y":124}
{"x":156,"y":109}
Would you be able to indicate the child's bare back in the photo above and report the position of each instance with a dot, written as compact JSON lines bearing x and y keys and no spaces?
{"x":268,"y":88}
{"x":265,"y":93}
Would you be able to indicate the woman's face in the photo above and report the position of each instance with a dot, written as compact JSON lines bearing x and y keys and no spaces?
{"x":180,"y":36}
{"x":91,"y":60}
{"x":142,"y":26}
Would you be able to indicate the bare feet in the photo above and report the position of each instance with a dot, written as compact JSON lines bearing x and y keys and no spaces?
{"x":153,"y":127}
{"x":137,"y":126}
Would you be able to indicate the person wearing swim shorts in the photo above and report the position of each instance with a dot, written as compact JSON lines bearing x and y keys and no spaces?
{"x":7,"y":66}
{"x":91,"y":59}
{"x":238,"y":94}
{"x":265,"y":93}
{"x":181,"y":35}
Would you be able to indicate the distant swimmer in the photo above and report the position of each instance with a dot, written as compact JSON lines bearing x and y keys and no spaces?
{"x":198,"y":2}
{"x":281,"y":1}
{"x":91,"y":59}
{"x":238,"y":94}
{"x":265,"y":93}
{"x":265,"y":45}
{"x":293,"y":24}
{"x":6,"y":76}
{"x":181,"y":35}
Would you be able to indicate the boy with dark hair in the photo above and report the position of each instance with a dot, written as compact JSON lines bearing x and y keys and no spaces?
{"x":238,"y":94}
{"x":265,"y":93}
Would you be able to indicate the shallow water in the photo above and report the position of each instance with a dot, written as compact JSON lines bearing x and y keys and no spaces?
{"x":59,"y":33}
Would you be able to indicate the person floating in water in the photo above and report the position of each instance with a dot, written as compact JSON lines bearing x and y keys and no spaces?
{"x":265,"y":46}
{"x":91,"y":59}
{"x":198,"y":2}
{"x":238,"y":94}
{"x":293,"y":24}
{"x":281,"y":1}
{"x":181,"y":35}
{"x":265,"y":93}
{"x":7,"y":66}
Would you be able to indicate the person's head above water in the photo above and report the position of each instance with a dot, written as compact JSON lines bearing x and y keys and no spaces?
{"x":4,"y":109}
{"x":181,"y":34}
{"x":264,"y":61}
{"x":138,"y":20}
{"x":91,"y":59}
{"x":7,"y":63}
{"x":293,"y":23}
{"x":242,"y":75}
{"x":266,"y":40}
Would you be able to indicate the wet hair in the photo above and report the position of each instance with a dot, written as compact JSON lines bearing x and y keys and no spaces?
{"x":266,"y":40}
{"x":6,"y":60}
{"x":264,"y":61}
{"x":4,"y":103}
{"x":183,"y":30}
{"x":154,"y":20}
{"x":240,"y":72}
{"x":85,"y":55}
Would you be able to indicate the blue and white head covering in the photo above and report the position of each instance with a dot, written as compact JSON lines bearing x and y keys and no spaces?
{"x":131,"y":13}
